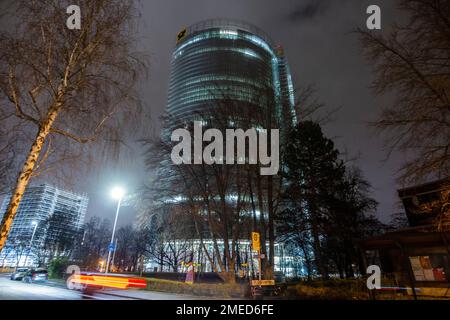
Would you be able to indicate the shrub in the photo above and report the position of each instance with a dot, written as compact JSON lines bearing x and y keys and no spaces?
{"x":329,"y":290}
{"x":222,"y":290}
{"x":57,"y":268}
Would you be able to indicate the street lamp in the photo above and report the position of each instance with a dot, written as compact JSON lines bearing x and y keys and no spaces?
{"x":117,"y":193}
{"x":33,"y":223}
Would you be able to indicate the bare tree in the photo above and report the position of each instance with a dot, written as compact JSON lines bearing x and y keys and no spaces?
{"x":414,"y":63}
{"x":309,"y":107}
{"x":67,"y":86}
{"x":94,"y":243}
{"x":202,"y":193}
{"x":225,"y":202}
{"x":171,"y":235}
{"x":443,"y":205}
{"x":6,"y":162}
{"x":7,"y":154}
{"x":438,"y":207}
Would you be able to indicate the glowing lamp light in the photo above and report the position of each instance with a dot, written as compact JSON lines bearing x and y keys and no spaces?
{"x":117,"y":193}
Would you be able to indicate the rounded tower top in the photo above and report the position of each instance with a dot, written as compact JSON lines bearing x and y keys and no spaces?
{"x":230,"y":24}
{"x":223,"y":60}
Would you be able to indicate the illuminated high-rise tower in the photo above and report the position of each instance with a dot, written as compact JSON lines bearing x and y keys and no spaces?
{"x":217,"y":56}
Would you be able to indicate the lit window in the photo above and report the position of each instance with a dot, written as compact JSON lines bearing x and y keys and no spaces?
{"x":229,"y":32}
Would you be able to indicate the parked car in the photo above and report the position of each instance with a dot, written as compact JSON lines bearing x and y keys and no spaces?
{"x":19,"y":273}
{"x":38,"y":275}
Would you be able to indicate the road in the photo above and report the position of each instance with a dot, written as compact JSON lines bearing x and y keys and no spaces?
{"x":17,"y":290}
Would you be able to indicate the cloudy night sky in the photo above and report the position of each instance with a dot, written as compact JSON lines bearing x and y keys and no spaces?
{"x":321,"y":50}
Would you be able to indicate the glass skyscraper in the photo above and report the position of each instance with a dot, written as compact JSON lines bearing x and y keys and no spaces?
{"x":226,"y":63}
{"x":217,"y":56}
{"x":46,"y":216}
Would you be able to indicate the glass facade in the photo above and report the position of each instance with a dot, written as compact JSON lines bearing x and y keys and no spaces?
{"x":183,"y":252}
{"x":57,"y":214}
{"x":215,"y":58}
{"x":225,"y":62}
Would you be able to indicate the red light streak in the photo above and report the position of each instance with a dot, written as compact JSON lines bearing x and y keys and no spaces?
{"x":109,"y":281}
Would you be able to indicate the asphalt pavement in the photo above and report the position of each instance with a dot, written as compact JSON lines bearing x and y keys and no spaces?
{"x":56,"y":290}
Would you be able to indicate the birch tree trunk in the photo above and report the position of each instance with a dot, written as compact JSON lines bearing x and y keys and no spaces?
{"x":26,"y":172}
{"x":82,"y":77}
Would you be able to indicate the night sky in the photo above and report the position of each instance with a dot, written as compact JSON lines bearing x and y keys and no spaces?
{"x":321,"y":49}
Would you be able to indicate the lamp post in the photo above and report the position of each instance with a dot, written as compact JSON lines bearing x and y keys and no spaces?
{"x":34,"y":223}
{"x":117,"y":193}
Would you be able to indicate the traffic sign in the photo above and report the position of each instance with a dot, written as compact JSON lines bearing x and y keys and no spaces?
{"x":256,"y":245}
{"x":112,"y":247}
{"x":262,"y":283}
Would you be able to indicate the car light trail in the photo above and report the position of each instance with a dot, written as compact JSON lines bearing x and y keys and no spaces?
{"x":109,"y":281}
